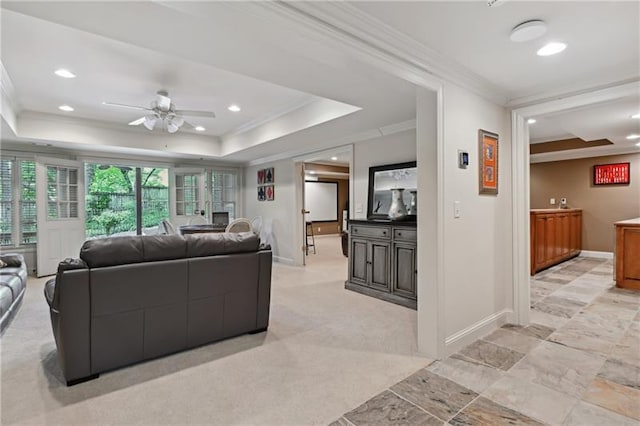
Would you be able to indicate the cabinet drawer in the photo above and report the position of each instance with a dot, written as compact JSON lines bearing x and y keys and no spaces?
{"x":370,"y":231}
{"x":405,"y":234}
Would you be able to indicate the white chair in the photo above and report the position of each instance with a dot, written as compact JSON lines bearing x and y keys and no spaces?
{"x":168,"y":227}
{"x":239,"y":225}
{"x":256,"y":225}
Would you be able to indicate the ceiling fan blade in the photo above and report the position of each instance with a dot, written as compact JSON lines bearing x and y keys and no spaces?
{"x":191,"y":113}
{"x":126,"y":106}
{"x":137,"y":122}
{"x":188,"y":126}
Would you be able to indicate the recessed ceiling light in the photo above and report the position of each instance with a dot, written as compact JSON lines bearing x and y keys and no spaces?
{"x":234,"y":108}
{"x":529,"y":30}
{"x":531,"y":121}
{"x":65,"y":108}
{"x":638,"y":144}
{"x":552,"y":48}
{"x":312,"y":172}
{"x":636,"y":115}
{"x":334,"y":158}
{"x":64,"y":73}
{"x":633,"y":136}
{"x":200,"y":128}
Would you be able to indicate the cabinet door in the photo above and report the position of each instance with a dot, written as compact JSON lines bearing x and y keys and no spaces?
{"x":379,"y":263}
{"x":576,"y":232}
{"x":404,"y":270}
{"x":564,"y":234}
{"x":550,"y":240}
{"x":358,"y":261}
{"x":540,"y":242}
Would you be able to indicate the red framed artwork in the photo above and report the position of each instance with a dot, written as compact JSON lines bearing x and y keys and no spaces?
{"x":488,"y":164}
{"x":611,"y":174}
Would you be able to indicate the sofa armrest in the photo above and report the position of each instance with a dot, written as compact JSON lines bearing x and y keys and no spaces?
{"x":71,"y":322}
{"x":264,"y":289}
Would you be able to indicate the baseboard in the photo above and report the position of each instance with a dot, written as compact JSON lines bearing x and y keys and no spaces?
{"x":598,"y":254}
{"x":476,"y":331}
{"x":284,"y":260}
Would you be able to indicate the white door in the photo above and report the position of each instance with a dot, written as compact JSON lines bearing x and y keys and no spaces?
{"x":60,"y":211}
{"x":187,"y":196}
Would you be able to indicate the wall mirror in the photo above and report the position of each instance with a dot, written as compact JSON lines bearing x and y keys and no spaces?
{"x":382,"y":179}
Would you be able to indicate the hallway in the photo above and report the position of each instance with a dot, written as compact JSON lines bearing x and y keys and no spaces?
{"x":578,"y":363}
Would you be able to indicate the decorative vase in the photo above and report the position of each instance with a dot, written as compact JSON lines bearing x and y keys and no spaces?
{"x":413,"y":205}
{"x":398,"y":210}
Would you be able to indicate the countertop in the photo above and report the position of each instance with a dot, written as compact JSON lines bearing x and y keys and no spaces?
{"x":632,"y":222}
{"x":554,"y":210}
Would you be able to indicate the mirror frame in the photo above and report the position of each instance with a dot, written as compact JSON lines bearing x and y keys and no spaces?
{"x":372,"y":172}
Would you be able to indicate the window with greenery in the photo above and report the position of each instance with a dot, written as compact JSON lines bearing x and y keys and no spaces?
{"x":223,"y":192}
{"x":112,"y":204}
{"x":28,"y":222}
{"x":17,"y":202}
{"x":62,"y":192}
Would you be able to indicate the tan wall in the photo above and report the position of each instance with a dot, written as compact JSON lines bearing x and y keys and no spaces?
{"x":324,"y":228}
{"x":601,"y":205}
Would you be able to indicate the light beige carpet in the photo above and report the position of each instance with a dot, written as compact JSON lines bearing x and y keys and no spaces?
{"x":327,"y":350}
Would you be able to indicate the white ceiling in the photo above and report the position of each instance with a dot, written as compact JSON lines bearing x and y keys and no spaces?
{"x":610,"y":120}
{"x":211,"y":54}
{"x":602,"y":36}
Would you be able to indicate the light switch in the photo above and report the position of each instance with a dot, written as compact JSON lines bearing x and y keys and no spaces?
{"x":456,"y":209}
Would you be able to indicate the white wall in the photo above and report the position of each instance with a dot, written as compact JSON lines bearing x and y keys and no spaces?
{"x":477,"y":246}
{"x":278,"y":216}
{"x":395,"y":148}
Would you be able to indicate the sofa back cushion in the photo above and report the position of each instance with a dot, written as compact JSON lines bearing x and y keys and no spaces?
{"x":200,"y":245}
{"x":112,"y":251}
{"x":163,"y":247}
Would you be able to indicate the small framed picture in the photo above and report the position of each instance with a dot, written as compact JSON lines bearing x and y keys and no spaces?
{"x":261,"y":193}
{"x":269,"y":175}
{"x":261,"y":177}
{"x":269,"y":192}
{"x":488,"y":165}
{"x":611,"y":174}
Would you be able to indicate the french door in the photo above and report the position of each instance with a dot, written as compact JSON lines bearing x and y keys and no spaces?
{"x":60,"y":212}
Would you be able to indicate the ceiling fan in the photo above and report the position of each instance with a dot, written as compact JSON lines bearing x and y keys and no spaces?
{"x":164,"y":113}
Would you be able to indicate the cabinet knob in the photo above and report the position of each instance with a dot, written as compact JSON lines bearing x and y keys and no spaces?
{"x":384,"y":232}
{"x":399,"y":234}
{"x":355,"y":231}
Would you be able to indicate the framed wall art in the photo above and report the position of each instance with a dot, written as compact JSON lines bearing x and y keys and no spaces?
{"x":611,"y":174}
{"x":266,"y":188}
{"x":488,"y":164}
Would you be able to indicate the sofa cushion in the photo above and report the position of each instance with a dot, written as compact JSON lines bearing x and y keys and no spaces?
{"x":112,"y":251}
{"x":163,"y":247}
{"x":6,"y":299}
{"x":199,"y":245}
{"x":49,"y":291}
{"x":13,"y":283}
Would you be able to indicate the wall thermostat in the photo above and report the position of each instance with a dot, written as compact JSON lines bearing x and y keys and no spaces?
{"x":463,"y":159}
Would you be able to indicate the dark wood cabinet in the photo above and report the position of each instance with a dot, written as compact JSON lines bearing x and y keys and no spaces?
{"x":627,"y":254}
{"x":382,"y":260}
{"x":556,"y":235}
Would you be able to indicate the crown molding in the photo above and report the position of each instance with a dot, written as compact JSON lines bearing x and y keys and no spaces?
{"x":394,"y":51}
{"x":573,"y":154}
{"x":250,"y":125}
{"x":574,"y":91}
{"x":341,"y":142}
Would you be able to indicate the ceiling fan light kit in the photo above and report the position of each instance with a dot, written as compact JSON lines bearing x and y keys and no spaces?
{"x":163,"y":111}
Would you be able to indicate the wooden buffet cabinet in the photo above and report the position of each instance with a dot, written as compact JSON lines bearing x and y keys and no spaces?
{"x":382,"y":260}
{"x":556,"y":235}
{"x":627,"y":254}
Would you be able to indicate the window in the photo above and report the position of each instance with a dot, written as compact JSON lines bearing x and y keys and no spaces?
{"x":28,"y":222}
{"x":187,"y":194}
{"x":17,"y":202}
{"x":223,"y":192}
{"x":111,"y":203}
{"x":6,"y":202}
{"x":62,"y":192}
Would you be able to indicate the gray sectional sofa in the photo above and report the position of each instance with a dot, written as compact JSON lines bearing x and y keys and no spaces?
{"x":128,"y":299}
{"x":13,"y":283}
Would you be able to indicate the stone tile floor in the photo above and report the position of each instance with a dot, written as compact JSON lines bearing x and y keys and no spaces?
{"x":578,"y":363}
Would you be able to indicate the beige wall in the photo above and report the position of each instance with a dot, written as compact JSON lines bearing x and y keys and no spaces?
{"x":601,"y":205}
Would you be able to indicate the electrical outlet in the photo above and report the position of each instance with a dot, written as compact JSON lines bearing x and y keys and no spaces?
{"x":563,"y":200}
{"x":552,"y":201}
